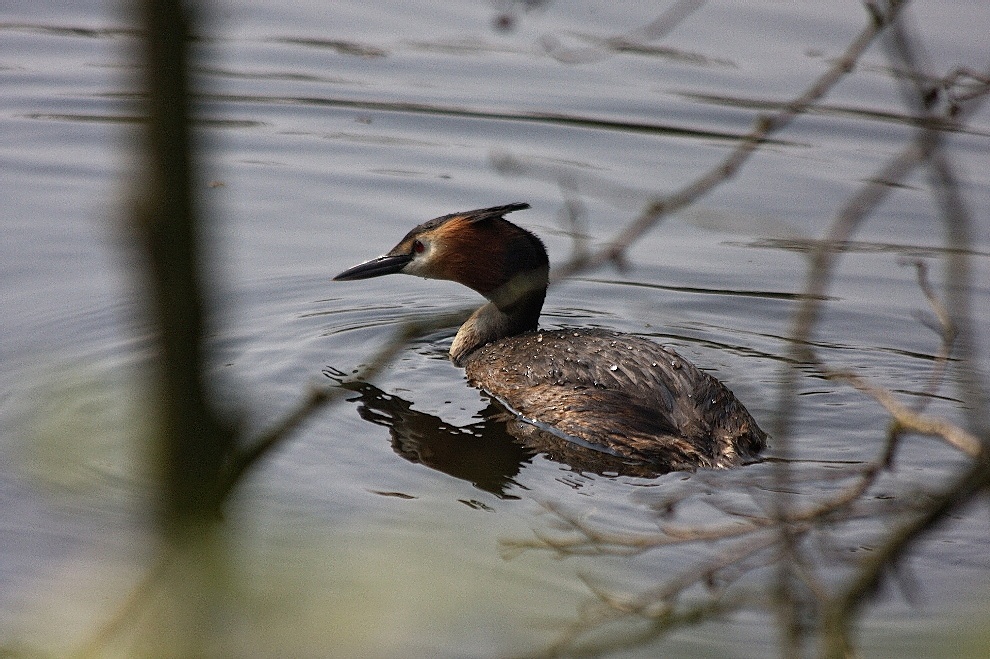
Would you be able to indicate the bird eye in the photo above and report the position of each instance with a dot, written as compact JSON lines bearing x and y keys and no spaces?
{"x":418,"y":247}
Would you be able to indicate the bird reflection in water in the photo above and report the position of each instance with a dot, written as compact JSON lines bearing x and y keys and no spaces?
{"x":489,"y":453}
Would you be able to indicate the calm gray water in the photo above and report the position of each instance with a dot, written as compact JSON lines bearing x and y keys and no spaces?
{"x":333,"y":129}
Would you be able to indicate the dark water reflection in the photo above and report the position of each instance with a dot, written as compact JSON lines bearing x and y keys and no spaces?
{"x":488,"y":453}
{"x":481,"y":453}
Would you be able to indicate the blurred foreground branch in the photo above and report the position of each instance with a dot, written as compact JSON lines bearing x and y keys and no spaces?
{"x":778,"y":536}
{"x":319,"y":397}
{"x":202,"y":458}
{"x":195,"y":440}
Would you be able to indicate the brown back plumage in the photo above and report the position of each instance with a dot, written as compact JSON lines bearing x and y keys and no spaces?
{"x":621,"y":393}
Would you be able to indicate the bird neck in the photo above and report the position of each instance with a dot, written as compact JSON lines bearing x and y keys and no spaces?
{"x":514,"y":308}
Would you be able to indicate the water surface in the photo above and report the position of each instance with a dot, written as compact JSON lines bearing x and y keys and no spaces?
{"x":331,"y":131}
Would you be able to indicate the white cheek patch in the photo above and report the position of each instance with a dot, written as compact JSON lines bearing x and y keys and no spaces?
{"x":422,"y":263}
{"x":414,"y":267}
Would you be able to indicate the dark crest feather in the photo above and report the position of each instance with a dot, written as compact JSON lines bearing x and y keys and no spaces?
{"x":478,"y":215}
{"x":495,"y":212}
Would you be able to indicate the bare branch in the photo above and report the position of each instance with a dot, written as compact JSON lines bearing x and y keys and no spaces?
{"x":908,"y":419}
{"x":765,"y":126}
{"x":319,"y":398}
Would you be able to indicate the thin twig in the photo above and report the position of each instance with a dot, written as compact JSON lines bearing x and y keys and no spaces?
{"x":946,"y":330}
{"x":765,"y":126}
{"x":927,"y":149}
{"x":837,"y":617}
{"x":318,"y":398}
{"x":908,"y":419}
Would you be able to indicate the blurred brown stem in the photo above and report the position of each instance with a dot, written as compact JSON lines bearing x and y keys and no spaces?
{"x":168,"y":225}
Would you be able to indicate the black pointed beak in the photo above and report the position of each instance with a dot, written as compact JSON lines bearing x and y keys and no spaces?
{"x":383,"y":265}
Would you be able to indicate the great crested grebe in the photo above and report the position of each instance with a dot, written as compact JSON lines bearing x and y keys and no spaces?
{"x":617,"y":393}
